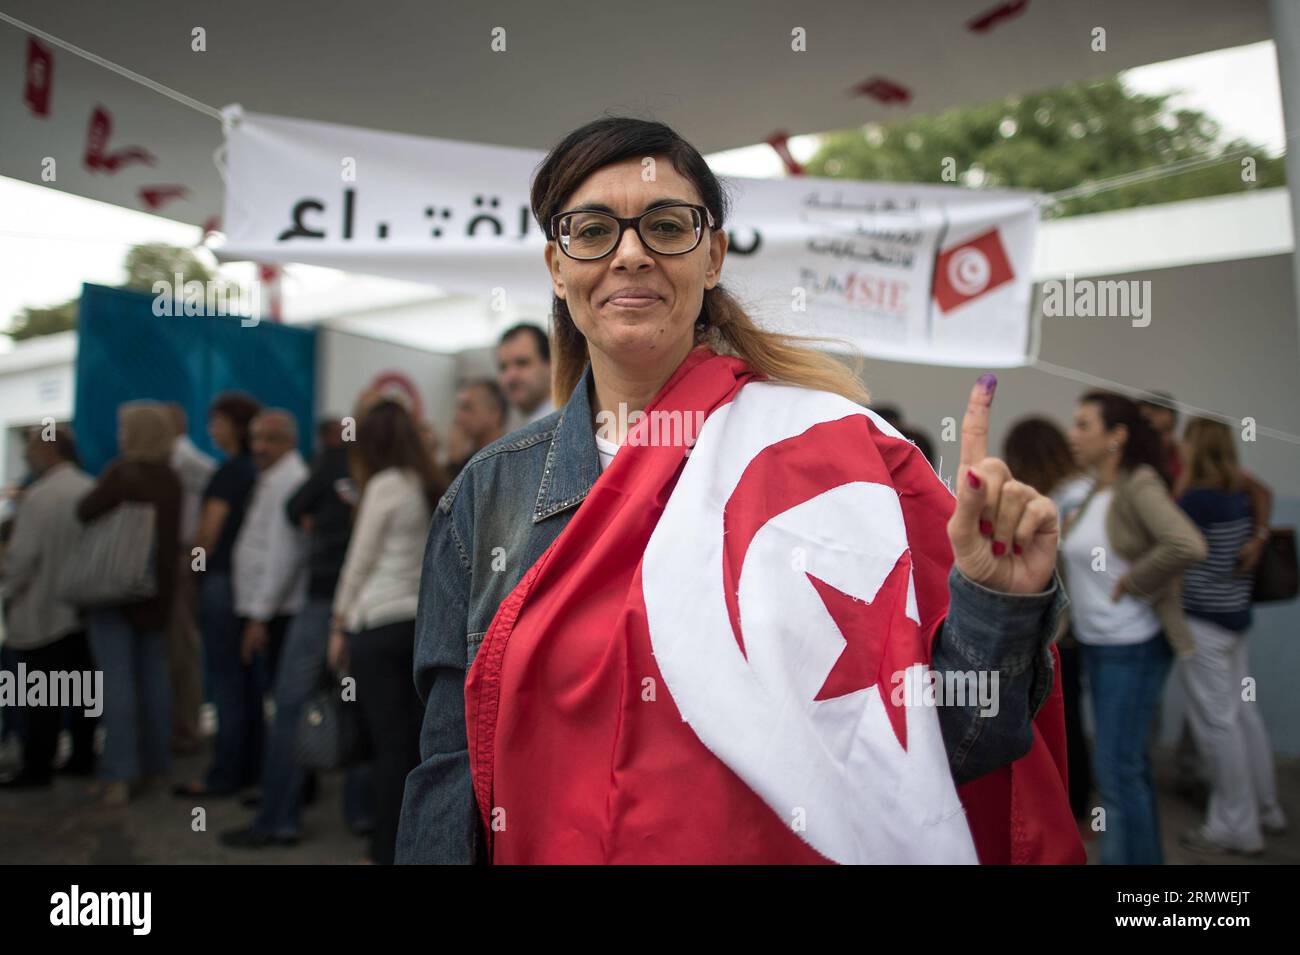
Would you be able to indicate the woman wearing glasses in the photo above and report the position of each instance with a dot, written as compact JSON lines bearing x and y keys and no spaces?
{"x":691,"y":617}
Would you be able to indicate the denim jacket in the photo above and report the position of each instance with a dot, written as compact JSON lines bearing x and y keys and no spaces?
{"x":507,"y":505}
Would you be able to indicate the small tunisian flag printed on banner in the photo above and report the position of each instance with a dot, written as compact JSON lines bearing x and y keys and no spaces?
{"x":704,"y":667}
{"x":971,"y":269}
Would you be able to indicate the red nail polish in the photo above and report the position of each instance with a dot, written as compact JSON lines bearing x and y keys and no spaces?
{"x":1016,"y":548}
{"x":999,"y":548}
{"x":972,"y":480}
{"x":986,"y":528}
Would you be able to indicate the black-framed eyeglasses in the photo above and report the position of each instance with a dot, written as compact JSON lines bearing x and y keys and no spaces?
{"x":669,"y":230}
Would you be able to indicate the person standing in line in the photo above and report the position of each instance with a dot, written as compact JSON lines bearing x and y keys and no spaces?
{"x":524,"y":374}
{"x":234,"y":688}
{"x":270,"y":556}
{"x":479,"y":420}
{"x":322,"y":509}
{"x":129,"y":641}
{"x":48,"y":634}
{"x":1124,"y":553}
{"x":195,"y":469}
{"x":373,"y":627}
{"x":1227,"y":728}
{"x":11,"y":717}
{"x":1161,"y":412}
{"x":1037,"y":450}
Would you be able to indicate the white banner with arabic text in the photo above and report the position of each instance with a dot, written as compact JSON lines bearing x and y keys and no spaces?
{"x":921,"y":273}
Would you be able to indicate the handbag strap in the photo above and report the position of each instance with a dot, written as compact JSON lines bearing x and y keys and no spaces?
{"x":1073,"y":520}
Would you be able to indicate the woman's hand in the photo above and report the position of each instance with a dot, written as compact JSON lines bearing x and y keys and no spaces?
{"x":337,"y":653}
{"x":253,"y":641}
{"x":1249,"y":556}
{"x":1003,"y":532}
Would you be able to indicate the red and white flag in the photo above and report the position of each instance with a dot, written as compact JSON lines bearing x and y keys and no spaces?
{"x":971,"y":269}
{"x":704,"y":665}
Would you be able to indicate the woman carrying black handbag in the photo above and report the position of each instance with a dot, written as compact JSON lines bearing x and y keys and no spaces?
{"x":330,"y":733}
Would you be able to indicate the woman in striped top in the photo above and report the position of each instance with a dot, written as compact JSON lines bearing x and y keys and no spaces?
{"x":1225,"y":721}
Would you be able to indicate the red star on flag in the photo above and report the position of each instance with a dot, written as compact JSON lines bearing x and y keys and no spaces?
{"x":880,"y":640}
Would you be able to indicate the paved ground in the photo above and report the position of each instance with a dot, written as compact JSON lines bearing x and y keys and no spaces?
{"x":1177,"y":814}
{"x":63,"y":825}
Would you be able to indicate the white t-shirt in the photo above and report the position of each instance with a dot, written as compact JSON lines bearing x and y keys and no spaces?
{"x":1070,"y":494}
{"x":1097,"y":619}
{"x":606,"y":450}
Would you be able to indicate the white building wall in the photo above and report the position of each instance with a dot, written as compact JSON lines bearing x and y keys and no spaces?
{"x":347,"y":363}
{"x":37,"y":381}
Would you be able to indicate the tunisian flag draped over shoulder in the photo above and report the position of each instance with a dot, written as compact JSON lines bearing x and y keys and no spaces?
{"x":706,"y":665}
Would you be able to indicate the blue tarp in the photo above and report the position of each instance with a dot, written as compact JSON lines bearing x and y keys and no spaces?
{"x":125,"y":352}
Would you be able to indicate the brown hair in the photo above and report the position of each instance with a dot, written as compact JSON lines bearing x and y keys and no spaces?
{"x":388,"y":438}
{"x":64,"y":444}
{"x":496,"y":397}
{"x":1211,"y":456}
{"x":239,"y":408}
{"x":723,"y":323}
{"x":1143,"y":444}
{"x":1038,"y":454}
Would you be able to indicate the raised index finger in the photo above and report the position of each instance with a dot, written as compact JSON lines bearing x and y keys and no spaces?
{"x":975,"y":423}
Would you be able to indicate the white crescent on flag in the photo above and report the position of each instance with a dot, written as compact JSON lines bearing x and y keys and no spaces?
{"x":753,"y":580}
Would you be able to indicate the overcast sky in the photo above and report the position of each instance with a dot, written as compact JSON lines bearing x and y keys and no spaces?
{"x":51,"y":242}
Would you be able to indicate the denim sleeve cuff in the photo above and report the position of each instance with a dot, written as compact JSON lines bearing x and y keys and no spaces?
{"x":1008,"y":632}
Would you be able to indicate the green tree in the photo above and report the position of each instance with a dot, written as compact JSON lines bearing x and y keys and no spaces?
{"x":1055,"y":140}
{"x":31,"y":322}
{"x":157,"y":262}
{"x":144,"y":265}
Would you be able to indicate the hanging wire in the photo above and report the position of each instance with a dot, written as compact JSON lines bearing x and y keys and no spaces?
{"x":154,"y":85}
{"x":1140,"y":394}
{"x":1149,"y":174}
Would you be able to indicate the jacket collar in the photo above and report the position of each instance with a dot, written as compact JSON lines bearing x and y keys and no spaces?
{"x":572,"y":462}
